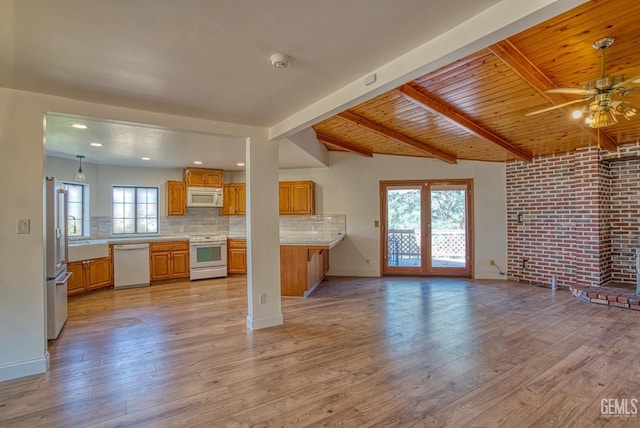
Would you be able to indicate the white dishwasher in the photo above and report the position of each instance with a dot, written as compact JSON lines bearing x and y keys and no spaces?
{"x":130,"y":265}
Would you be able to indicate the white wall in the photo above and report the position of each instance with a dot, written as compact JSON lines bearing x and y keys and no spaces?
{"x":351,"y":186}
{"x":23,"y":343}
{"x":22,"y":287}
{"x":101,"y":178}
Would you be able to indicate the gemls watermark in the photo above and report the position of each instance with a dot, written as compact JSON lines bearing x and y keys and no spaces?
{"x":619,"y":407}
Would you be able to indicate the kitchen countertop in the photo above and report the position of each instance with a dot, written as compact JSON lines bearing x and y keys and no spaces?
{"x":311,"y":240}
{"x":304,"y":239}
{"x":132,"y":239}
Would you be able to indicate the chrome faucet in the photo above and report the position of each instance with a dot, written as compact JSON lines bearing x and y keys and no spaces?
{"x":74,"y":222}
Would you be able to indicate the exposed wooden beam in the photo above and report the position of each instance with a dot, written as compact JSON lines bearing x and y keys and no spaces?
{"x":344,"y":145}
{"x":397,"y":136}
{"x":422,"y":100}
{"x":521,"y":65}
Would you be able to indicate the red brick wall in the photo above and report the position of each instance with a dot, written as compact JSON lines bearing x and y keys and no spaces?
{"x":624,"y":220}
{"x":564,"y":202}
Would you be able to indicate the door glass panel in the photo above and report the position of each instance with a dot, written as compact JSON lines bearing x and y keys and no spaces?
{"x":403,"y":227}
{"x":448,"y":234}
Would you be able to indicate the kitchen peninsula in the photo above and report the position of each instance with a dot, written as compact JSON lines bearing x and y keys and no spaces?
{"x":305,"y":242}
{"x":304,"y":262}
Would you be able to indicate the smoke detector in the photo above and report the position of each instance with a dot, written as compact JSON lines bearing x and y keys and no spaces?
{"x":280,"y":60}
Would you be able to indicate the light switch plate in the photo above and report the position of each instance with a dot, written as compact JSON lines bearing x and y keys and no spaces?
{"x":23,"y":226}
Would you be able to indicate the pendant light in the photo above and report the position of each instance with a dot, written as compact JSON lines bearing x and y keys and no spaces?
{"x":80,"y":175}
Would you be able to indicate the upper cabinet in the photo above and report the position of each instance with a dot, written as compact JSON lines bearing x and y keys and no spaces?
{"x":203,"y":177}
{"x":176,"y":198}
{"x":234,"y":199}
{"x":297,"y":197}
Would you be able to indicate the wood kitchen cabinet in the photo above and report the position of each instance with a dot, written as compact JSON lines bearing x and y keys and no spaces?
{"x":176,"y":198}
{"x":297,"y":197}
{"x":302,"y":268}
{"x":237,"y":256}
{"x":234,"y":199}
{"x":203,"y":177}
{"x":169,"y":260}
{"x":88,"y":275}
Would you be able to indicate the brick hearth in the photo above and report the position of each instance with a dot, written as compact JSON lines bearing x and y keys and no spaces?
{"x":609,"y":296}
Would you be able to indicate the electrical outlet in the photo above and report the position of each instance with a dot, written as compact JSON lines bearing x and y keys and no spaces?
{"x":263,"y":298}
{"x":492,"y":262}
{"x":525,"y":264}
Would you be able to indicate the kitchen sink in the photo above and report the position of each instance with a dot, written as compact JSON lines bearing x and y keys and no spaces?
{"x":85,"y":250}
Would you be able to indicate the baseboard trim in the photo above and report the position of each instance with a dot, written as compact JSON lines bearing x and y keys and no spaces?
{"x":257,"y":324}
{"x":25,"y":368}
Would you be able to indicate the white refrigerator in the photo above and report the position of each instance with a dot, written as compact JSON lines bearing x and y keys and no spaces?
{"x":56,"y":259}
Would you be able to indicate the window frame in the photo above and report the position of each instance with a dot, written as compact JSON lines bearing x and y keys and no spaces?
{"x":84,"y":204}
{"x":137,"y":205}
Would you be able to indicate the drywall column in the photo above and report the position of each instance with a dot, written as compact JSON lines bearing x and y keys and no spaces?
{"x":263,"y":234}
{"x":23,"y":333}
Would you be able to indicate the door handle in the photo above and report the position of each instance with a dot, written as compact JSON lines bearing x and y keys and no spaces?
{"x":65,"y":279}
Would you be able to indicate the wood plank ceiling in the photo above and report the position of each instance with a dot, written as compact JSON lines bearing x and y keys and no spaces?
{"x":474,"y":108}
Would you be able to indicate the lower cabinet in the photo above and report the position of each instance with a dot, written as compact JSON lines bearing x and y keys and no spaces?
{"x":302,"y":268}
{"x":169,"y":260}
{"x":237,"y":256}
{"x":88,"y":275}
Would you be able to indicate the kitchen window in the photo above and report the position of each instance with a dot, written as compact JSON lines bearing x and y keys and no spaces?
{"x":76,"y":209}
{"x":135,"y":210}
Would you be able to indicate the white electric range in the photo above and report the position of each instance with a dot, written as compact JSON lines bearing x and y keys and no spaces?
{"x":208,"y":256}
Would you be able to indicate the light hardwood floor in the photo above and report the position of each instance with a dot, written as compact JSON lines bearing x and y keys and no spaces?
{"x":388,"y":352}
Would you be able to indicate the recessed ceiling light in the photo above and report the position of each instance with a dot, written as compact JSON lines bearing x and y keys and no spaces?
{"x":240,"y":164}
{"x":145,"y":158}
{"x":197,"y":162}
{"x":96,"y":144}
{"x":79,"y":126}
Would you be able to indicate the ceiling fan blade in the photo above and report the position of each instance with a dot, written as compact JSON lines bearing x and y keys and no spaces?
{"x":572,"y":91}
{"x":557,"y":106}
{"x":625,"y":83}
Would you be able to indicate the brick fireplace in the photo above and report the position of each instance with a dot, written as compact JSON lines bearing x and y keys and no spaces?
{"x":575,"y":215}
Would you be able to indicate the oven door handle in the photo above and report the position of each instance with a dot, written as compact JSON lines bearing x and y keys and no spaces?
{"x":211,"y":244}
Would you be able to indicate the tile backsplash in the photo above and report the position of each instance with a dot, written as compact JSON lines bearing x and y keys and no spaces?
{"x":197,"y":221}
{"x":325,"y":225}
{"x":201,"y":221}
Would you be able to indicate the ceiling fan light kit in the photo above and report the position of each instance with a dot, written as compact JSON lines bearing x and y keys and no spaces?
{"x":601,"y":112}
{"x":601,"y":117}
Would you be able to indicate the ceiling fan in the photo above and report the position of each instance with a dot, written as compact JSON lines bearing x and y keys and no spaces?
{"x":603,"y":109}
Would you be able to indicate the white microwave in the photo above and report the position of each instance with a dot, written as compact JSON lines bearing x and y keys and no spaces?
{"x":204,"y":196}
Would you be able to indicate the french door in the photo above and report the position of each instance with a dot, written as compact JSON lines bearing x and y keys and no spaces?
{"x":427,"y":227}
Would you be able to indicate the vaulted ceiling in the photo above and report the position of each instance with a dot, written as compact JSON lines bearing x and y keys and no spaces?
{"x":210,"y":60}
{"x":475,"y":108}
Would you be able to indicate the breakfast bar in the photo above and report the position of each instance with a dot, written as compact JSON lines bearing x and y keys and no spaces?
{"x":304,"y":262}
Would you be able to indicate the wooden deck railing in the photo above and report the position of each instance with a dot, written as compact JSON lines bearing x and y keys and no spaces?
{"x":446,"y":243}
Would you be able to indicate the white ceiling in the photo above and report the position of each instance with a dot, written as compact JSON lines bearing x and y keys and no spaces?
{"x":205,"y":58}
{"x":125,"y":144}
